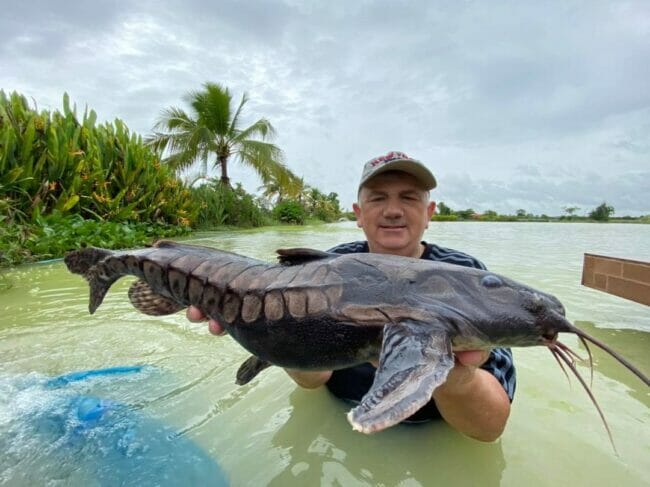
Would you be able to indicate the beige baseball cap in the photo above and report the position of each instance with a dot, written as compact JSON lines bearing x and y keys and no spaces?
{"x":398,"y":161}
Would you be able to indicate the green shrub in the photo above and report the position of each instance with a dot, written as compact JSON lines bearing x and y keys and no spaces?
{"x":602,"y":212}
{"x":326,"y":213}
{"x":54,"y":235}
{"x":290,"y":211}
{"x":444,"y":218}
{"x":221,"y":204}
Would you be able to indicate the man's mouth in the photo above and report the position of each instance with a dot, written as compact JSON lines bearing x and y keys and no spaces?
{"x":392,"y":227}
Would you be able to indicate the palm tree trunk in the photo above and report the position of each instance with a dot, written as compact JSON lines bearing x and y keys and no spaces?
{"x":223,"y":162}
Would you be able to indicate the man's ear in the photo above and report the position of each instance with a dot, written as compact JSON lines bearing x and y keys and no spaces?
{"x":431,"y":209}
{"x":357,"y":211}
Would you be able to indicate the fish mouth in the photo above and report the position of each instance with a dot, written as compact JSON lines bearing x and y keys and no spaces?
{"x":549,"y":338}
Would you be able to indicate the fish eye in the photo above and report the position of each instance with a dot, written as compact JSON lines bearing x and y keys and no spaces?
{"x":491,"y":281}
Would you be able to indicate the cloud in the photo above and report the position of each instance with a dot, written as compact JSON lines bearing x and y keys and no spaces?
{"x":484,"y":93}
{"x":547,"y":194}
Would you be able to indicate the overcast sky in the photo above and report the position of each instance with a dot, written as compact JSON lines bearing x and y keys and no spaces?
{"x":536,"y":105}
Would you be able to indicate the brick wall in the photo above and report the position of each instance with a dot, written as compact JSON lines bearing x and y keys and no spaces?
{"x":628,"y":279}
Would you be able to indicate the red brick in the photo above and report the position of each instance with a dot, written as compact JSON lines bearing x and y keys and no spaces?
{"x":636,"y":272}
{"x":611,"y":267}
{"x":600,"y":281}
{"x":629,"y":289}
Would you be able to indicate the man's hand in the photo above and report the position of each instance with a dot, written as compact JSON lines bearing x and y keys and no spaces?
{"x":471,"y":399}
{"x":461,"y":375}
{"x":195,"y":314}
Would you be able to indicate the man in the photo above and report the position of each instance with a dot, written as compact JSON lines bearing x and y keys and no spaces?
{"x":394,"y":210}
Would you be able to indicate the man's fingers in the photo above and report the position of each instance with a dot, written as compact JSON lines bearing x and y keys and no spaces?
{"x":215,"y":328}
{"x":194,"y":314}
{"x":473,"y":358}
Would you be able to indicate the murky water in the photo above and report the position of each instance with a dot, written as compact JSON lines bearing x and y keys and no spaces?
{"x":272,"y":433}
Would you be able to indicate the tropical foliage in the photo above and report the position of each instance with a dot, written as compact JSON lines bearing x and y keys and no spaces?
{"x":58,"y":162}
{"x":323,"y":207}
{"x":219,"y":204}
{"x":281,"y":186}
{"x":212,"y":133}
{"x":66,"y":180}
{"x":53,"y":235}
{"x":290,"y":211}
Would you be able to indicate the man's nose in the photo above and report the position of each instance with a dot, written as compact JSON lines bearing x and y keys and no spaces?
{"x":393,"y":209}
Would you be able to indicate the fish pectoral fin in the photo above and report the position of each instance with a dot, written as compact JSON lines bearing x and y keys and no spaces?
{"x":250,"y":368}
{"x":415,"y":359}
{"x":299,"y":256}
{"x":147,"y":301}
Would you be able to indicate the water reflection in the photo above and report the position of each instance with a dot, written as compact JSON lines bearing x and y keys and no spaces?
{"x":323,"y":450}
{"x":631,"y":344}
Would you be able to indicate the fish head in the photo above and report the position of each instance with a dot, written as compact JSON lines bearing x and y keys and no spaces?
{"x":547,"y":313}
{"x":509,"y":314}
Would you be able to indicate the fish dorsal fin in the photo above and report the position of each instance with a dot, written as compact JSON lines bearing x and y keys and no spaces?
{"x":299,"y":256}
{"x":415,"y":359}
{"x":147,"y":301}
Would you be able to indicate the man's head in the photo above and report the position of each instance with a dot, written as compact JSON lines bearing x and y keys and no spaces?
{"x":393,"y":207}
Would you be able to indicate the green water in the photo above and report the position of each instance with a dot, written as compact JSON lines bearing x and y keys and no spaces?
{"x":272,"y":433}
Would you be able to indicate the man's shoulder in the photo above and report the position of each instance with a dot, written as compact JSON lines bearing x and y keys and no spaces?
{"x":357,"y":247}
{"x":431,"y":252}
{"x":451,"y":256}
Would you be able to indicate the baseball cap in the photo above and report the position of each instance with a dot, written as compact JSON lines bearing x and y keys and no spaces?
{"x":397,"y":161}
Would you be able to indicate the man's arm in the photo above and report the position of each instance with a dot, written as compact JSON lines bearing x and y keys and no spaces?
{"x":309,"y":380}
{"x":472,"y":400}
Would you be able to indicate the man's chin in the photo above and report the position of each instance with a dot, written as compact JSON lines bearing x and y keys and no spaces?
{"x":393,"y":244}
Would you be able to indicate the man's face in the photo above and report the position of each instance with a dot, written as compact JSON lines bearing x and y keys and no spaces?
{"x":394,"y":211}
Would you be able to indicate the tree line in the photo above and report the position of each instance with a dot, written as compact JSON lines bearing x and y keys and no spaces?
{"x":601,"y":213}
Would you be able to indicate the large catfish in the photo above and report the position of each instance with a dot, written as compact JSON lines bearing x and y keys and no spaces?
{"x":322,"y":311}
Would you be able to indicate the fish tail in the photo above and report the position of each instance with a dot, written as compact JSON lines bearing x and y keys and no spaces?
{"x":80,"y":261}
{"x":87,"y":262}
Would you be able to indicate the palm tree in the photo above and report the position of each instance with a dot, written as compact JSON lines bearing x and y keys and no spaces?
{"x":211,"y":134}
{"x":283,"y":185}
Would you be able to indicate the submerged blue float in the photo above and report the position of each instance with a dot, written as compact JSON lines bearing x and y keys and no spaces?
{"x":83,"y":438}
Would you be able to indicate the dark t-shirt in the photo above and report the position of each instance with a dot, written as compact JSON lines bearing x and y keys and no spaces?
{"x":352,"y":383}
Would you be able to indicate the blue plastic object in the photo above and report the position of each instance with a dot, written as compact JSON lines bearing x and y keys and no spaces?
{"x":93,"y":440}
{"x":65,"y":379}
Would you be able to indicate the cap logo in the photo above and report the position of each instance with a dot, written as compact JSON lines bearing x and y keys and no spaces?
{"x":391,"y":156}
